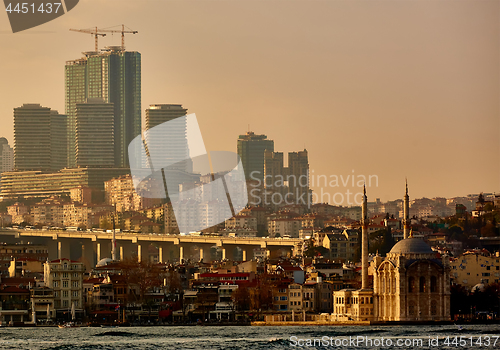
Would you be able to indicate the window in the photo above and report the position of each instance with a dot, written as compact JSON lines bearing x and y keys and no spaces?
{"x":433,"y":284}
{"x":411,"y":285}
{"x":65,"y":294}
{"x":65,"y":284}
{"x":65,"y":275}
{"x":65,"y":303}
{"x":75,"y":284}
{"x":55,"y":274}
{"x":422,"y":285}
{"x":56,"y":284}
{"x":75,"y":294}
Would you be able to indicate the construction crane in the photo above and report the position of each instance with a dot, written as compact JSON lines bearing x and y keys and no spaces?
{"x":123,"y":32}
{"x":96,"y":32}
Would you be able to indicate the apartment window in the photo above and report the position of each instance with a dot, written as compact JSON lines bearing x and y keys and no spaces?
{"x":65,"y":275}
{"x":65,"y":303}
{"x":65,"y":294}
{"x":65,"y":284}
{"x":56,"y":284}
{"x":75,"y":275}
{"x":75,"y":284}
{"x":75,"y":294}
{"x":55,"y":274}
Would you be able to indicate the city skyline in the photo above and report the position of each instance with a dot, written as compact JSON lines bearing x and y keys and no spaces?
{"x":414,"y":102}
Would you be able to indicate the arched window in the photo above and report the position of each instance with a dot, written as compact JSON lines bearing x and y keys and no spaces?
{"x":422,"y":285}
{"x":411,"y":285}
{"x":433,"y":284}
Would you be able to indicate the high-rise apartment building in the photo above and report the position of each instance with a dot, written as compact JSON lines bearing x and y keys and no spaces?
{"x":94,"y":144}
{"x":39,"y":138}
{"x":6,"y":156}
{"x":292,"y":182}
{"x":172,"y":141}
{"x":251,"y":149}
{"x":113,"y":75}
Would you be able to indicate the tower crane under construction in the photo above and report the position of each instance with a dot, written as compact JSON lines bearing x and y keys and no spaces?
{"x":96,"y":32}
{"x":93,"y":31}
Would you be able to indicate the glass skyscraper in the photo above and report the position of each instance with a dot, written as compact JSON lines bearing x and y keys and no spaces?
{"x":251,"y":149}
{"x":39,"y":138}
{"x":114,"y":76}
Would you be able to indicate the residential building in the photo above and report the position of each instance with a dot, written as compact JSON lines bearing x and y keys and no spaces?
{"x":10,"y":252}
{"x":250,"y":149}
{"x":94,"y":144}
{"x":473,"y":268}
{"x":33,"y":184}
{"x":170,"y":143}
{"x":65,"y":277}
{"x":113,"y":75}
{"x":40,"y":136}
{"x":42,"y":303}
{"x":6,"y":156}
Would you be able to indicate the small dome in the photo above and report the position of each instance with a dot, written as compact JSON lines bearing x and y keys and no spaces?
{"x":478,"y":287}
{"x":104,"y":262}
{"x":411,"y":246}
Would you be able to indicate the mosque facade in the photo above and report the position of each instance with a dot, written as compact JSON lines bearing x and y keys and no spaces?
{"x":410,"y":284}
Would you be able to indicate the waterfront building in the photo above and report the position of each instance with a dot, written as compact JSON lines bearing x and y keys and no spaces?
{"x":42,"y":303}
{"x":10,"y":252}
{"x":40,"y":136}
{"x":15,"y":305}
{"x":410,"y":284}
{"x":113,"y":75}
{"x":65,"y":277}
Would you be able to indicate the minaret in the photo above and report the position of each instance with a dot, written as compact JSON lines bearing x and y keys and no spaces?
{"x":406,"y":214}
{"x":364,"y":242}
{"x":113,"y":240}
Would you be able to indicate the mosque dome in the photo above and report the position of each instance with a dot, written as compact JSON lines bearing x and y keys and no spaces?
{"x":411,"y":246}
{"x":104,"y":262}
{"x":478,"y":287}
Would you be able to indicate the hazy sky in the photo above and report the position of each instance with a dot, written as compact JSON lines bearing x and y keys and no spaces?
{"x":389,"y":88}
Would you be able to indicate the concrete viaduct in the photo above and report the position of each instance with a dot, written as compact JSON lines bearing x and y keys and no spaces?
{"x":91,"y":247}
